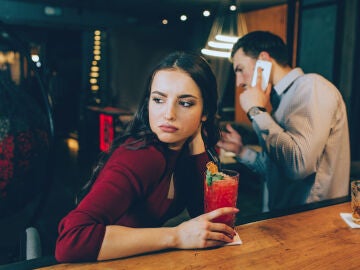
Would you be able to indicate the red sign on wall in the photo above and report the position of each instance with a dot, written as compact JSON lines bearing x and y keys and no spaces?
{"x":106,"y":128}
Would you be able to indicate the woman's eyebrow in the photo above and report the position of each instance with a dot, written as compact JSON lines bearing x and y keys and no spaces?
{"x":180,"y":96}
{"x":158,"y":93}
{"x":188,"y":96}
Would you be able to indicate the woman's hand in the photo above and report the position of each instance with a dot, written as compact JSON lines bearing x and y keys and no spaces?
{"x":201,"y":232}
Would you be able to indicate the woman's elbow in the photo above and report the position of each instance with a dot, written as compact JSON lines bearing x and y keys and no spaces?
{"x":64,"y":254}
{"x":67,"y":253}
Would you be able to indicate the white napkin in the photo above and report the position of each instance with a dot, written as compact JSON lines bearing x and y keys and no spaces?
{"x":237,"y":241}
{"x":348,"y":219}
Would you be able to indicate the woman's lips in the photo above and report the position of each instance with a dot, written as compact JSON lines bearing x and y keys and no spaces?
{"x":168,"y":128}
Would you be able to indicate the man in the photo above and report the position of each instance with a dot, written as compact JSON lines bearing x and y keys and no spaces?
{"x":305,"y":153}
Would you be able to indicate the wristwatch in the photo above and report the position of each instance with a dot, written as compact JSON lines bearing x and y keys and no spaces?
{"x":255,"y":111}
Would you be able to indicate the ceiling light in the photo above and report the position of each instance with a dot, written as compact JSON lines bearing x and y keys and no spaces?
{"x":94,"y":87}
{"x":232,"y":7}
{"x":226,"y":38}
{"x":220,"y":45}
{"x":216,"y":53}
{"x":164,"y":21}
{"x":183,"y":18}
{"x":35,"y":57}
{"x":206,"y":13}
{"x":94,"y":74}
{"x":223,"y":35}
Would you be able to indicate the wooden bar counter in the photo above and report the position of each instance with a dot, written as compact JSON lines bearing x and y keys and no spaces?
{"x":314,"y":239}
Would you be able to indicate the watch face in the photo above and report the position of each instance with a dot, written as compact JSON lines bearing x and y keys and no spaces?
{"x":255,"y":111}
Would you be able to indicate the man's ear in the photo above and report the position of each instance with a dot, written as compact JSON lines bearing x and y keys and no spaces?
{"x":264,"y":56}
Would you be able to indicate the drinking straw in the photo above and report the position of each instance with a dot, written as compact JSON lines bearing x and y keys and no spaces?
{"x":214,"y":157}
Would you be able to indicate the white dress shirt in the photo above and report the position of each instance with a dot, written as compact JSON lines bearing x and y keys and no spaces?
{"x":305,"y":142}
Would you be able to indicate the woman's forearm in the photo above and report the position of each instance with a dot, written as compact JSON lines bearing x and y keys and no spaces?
{"x":122,"y":241}
{"x":198,"y":232}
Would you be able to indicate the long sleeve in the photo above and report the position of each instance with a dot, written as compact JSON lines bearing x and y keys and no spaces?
{"x":305,"y":143}
{"x":298,"y":138}
{"x":125,"y":179}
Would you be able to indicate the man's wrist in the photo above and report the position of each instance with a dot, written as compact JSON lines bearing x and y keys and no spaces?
{"x":253,"y":111}
{"x":246,"y":156}
{"x":238,"y":156}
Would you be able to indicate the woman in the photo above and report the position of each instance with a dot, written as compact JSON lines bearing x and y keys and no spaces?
{"x":153,"y":173}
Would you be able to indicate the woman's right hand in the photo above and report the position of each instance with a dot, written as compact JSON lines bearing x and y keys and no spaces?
{"x":201,"y":232}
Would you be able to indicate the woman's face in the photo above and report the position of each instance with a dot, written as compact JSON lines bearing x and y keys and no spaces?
{"x":175,"y":107}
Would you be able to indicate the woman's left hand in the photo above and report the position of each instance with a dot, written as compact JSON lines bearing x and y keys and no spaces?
{"x":201,"y":232}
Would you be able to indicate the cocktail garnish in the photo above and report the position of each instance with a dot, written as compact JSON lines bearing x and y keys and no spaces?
{"x":212,"y":173}
{"x":211,"y":166}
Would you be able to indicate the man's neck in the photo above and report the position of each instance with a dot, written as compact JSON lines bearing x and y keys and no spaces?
{"x":279,"y":72}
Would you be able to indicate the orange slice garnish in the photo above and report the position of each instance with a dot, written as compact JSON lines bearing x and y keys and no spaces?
{"x":212,"y":168}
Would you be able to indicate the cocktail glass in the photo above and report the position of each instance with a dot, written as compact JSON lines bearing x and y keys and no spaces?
{"x":222,"y":193}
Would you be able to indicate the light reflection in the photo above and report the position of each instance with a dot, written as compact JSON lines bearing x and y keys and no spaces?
{"x":73,"y":145}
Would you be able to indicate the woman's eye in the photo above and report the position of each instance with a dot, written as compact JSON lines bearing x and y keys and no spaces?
{"x":157,"y":100}
{"x":186,"y":103}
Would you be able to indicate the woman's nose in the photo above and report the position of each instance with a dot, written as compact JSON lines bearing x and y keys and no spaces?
{"x":170,"y":113}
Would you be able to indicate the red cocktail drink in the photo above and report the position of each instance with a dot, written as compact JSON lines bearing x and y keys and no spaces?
{"x":222,"y":193}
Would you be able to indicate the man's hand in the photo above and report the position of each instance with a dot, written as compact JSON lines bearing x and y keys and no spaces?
{"x":255,"y":96}
{"x":231,"y":140}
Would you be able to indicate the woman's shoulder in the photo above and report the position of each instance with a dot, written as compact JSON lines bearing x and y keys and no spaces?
{"x":148,"y":157}
{"x":133,"y":148}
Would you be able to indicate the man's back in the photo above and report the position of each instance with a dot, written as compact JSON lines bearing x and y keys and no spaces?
{"x":310,"y":156}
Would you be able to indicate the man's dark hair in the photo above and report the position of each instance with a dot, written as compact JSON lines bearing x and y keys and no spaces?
{"x":256,"y":42}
